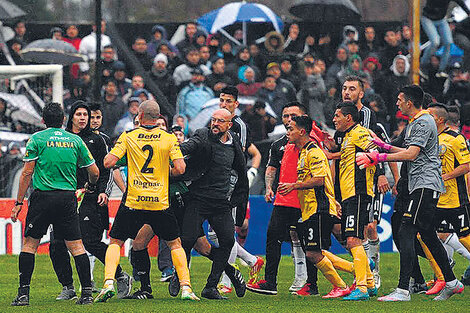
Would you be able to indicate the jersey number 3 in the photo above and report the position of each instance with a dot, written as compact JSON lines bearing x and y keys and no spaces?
{"x":145,"y":169}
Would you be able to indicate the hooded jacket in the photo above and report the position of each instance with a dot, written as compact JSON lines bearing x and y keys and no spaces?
{"x":393,"y":68}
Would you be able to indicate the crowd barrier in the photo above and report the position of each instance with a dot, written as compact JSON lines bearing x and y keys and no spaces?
{"x":11,"y":233}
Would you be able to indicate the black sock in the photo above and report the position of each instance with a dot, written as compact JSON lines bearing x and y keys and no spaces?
{"x":26,"y":267}
{"x":142,"y":264}
{"x":118,"y":272}
{"x":82,"y":263}
{"x":312,"y":272}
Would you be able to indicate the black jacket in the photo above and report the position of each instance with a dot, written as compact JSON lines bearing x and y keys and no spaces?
{"x":198,"y":153}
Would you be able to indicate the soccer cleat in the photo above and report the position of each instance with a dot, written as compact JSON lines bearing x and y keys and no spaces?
{"x":212,"y":293}
{"x":67,"y":294}
{"x":94,"y":289}
{"x":140,"y":295}
{"x":263,"y":287}
{"x":106,"y":293}
{"x":174,"y":286}
{"x":448,"y":292}
{"x":353,"y":286}
{"x":438,"y":286}
{"x":357,"y":295}
{"x":377,"y":279}
{"x":21,"y":300}
{"x":85,"y":300}
{"x":337,"y":292}
{"x":167,"y":274}
{"x":397,"y":295}
{"x":307,"y":290}
{"x":237,"y":281}
{"x":418,"y":288}
{"x":124,"y":285}
{"x":372,"y":291}
{"x":255,"y":269}
{"x":223,"y":289}
{"x":297,"y":284}
{"x":188,"y":294}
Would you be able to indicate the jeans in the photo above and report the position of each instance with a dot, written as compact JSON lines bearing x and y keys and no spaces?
{"x":463,"y":43}
{"x":438,"y":32}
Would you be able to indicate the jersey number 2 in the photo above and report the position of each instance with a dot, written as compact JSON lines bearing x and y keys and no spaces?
{"x":145,"y":169}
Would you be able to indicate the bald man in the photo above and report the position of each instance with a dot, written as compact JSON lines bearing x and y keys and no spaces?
{"x":211,"y":155}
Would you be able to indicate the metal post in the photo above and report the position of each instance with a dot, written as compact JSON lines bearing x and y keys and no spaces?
{"x":58,"y":88}
{"x":415,"y":24}
{"x":97,"y":79}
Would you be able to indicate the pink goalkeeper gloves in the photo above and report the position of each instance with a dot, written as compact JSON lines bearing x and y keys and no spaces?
{"x":364,"y":160}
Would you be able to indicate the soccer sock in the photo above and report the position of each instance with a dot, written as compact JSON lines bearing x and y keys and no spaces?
{"x":82,"y":263}
{"x":113,"y":255}
{"x":178,"y":256}
{"x":370,"y":282}
{"x":300,"y":266}
{"x":245,"y":255}
{"x":339,"y":263}
{"x":366,"y":246}
{"x":465,"y":241}
{"x":435,"y":268}
{"x":91,"y":259}
{"x":374,"y":249}
{"x":142,"y":265}
{"x":312,"y":272}
{"x":360,"y":265}
{"x":231,"y":260}
{"x":327,"y":269}
{"x":449,"y":247}
{"x":213,"y":236}
{"x":26,"y":267}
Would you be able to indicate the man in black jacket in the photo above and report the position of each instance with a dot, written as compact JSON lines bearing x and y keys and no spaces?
{"x":212,"y":154}
{"x":92,"y":211}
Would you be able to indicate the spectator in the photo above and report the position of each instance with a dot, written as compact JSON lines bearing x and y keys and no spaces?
{"x":433,"y":83}
{"x":274,"y":46}
{"x":15,"y":46}
{"x":139,"y":48}
{"x":72,"y":38}
{"x":178,"y":131}
{"x":159,"y":35}
{"x":288,"y":72}
{"x":248,"y":86}
{"x":143,"y":94}
{"x":182,"y":121}
{"x":163,"y":78}
{"x":350,"y":33}
{"x":372,"y":66}
{"x":213,"y":42}
{"x":192,"y":97}
{"x":392,"y":48}
{"x":107,"y":61}
{"x":293,"y":43}
{"x":6,"y":122}
{"x":218,"y":79}
{"x":258,"y":121}
{"x":322,"y":66}
{"x":338,"y":66}
{"x":258,"y":59}
{"x":124,"y":84}
{"x":205,"y":54}
{"x":407,"y":36}
{"x":353,"y":47}
{"x":88,"y":45}
{"x":172,"y":58}
{"x":312,"y":92}
{"x":369,"y":43}
{"x":462,"y":39}
{"x":324,"y":49}
{"x":457,"y":87}
{"x":377,"y":104}
{"x":189,"y":39}
{"x":56,"y":33}
{"x":200,"y":39}
{"x":127,"y":120}
{"x":270,"y":94}
{"x":242,"y":59}
{"x":354,"y":68}
{"x":137,"y":83}
{"x":112,"y":107}
{"x":226,"y":51}
{"x":20,"y":32}
{"x":183,"y":73}
{"x":309,"y":46}
{"x":282,"y":85}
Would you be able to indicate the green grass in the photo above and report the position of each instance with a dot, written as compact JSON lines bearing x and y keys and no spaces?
{"x":45,"y":287}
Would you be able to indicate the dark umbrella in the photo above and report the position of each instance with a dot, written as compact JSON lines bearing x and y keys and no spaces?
{"x":9,"y":11}
{"x":330,"y":11}
{"x":51,"y":51}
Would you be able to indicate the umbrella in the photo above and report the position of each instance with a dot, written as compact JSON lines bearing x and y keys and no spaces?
{"x":241,"y":12}
{"x":330,"y":11}
{"x":22,"y":109}
{"x":51,"y":51}
{"x":10,"y":11}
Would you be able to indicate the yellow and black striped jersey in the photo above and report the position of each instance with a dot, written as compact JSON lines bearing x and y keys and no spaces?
{"x":354,"y":181}
{"x":314,"y":163}
{"x":453,"y":151}
{"x":148,"y":152}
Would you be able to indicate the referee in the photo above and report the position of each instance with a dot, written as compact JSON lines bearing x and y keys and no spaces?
{"x":51,"y":161}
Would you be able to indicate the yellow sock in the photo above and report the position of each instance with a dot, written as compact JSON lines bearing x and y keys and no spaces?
{"x":370,"y":282}
{"x":339,"y":263}
{"x":178,"y":256}
{"x":435,"y":268}
{"x":360,"y":267}
{"x":466,"y":242}
{"x":113,"y":255}
{"x":327,"y":269}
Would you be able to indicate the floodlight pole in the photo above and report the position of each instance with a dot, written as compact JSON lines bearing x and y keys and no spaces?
{"x":415,"y":24}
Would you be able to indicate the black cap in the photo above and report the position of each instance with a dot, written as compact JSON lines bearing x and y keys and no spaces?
{"x":119,"y":66}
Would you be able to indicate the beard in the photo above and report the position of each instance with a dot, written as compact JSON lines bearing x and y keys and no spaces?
{"x":216,"y":136}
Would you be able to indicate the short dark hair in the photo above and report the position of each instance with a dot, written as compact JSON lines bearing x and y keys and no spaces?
{"x":53,"y":115}
{"x":349,"y":108}
{"x":354,"y":78}
{"x":259,"y":104}
{"x":140,"y":37}
{"x":190,"y":49}
{"x":454,"y":115}
{"x":230,"y":90}
{"x":427,"y":99}
{"x":442,"y":110}
{"x":108,"y":47}
{"x":415,"y":94}
{"x":303,"y":122}
{"x":302,"y":107}
{"x":95,"y":106}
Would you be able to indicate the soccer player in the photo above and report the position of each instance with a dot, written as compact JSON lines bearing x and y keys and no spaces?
{"x":148,"y":151}
{"x":317,"y":201}
{"x":425,"y":184}
{"x":51,"y":160}
{"x":357,"y":191}
{"x":93,"y":211}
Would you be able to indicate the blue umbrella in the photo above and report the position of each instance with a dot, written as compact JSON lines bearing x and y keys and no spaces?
{"x":241,"y":12}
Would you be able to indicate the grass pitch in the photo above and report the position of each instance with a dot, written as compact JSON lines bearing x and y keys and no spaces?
{"x":45,"y":287}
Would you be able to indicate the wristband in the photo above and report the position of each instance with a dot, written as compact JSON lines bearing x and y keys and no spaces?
{"x":381,"y":144}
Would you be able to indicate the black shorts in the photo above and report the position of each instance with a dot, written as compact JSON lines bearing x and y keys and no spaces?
{"x":421,"y":208}
{"x":56,"y":207}
{"x":453,"y":220}
{"x":92,"y":221}
{"x":316,"y":232}
{"x":355,"y":216}
{"x":128,"y":222}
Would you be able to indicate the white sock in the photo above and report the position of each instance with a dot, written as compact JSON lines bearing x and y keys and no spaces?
{"x":404,"y":291}
{"x":374,"y":249}
{"x":245,"y":255}
{"x":452,"y":284}
{"x":92,"y":259}
{"x":231,"y":260}
{"x":459,"y":247}
{"x":213,"y":236}
{"x":449,"y":247}
{"x":109,"y":282}
{"x":298,"y":256}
